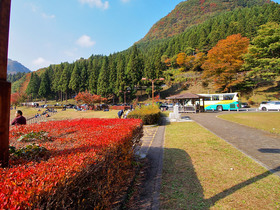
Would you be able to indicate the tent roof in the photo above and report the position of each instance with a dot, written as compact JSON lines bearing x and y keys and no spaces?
{"x":185,"y":96}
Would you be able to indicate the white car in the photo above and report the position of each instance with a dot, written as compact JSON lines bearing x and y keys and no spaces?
{"x":270,"y":105}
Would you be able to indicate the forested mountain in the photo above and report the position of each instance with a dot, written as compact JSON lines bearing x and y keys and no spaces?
{"x":193,"y":12}
{"x":120,"y":73}
{"x":14,"y":77}
{"x":205,"y":35}
{"x":15,"y":67}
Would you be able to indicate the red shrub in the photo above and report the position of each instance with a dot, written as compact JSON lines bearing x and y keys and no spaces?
{"x":78,"y":147}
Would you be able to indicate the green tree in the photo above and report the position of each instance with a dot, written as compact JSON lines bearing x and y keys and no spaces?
{"x":121,"y":79}
{"x":64,"y":80}
{"x":103,"y":79}
{"x":112,"y":74}
{"x":33,"y":85}
{"x":75,"y":81}
{"x":134,"y":68}
{"x":45,"y":87}
{"x":84,"y":80}
{"x":94,"y":74}
{"x":263,"y":59}
{"x":56,"y":80}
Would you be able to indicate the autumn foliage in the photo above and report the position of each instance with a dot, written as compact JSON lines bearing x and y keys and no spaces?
{"x":16,"y":98}
{"x":89,"y":162}
{"x":88,"y":98}
{"x":224,"y":62}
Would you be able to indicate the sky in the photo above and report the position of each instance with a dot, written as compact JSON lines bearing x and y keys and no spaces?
{"x":44,"y":32}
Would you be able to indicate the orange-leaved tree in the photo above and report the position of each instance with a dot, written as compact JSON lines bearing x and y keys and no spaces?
{"x":17,"y":98}
{"x":224,"y":62}
{"x":181,"y":57}
{"x":88,"y":98}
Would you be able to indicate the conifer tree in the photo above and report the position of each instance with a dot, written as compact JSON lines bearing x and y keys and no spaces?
{"x":94,"y":74}
{"x":45,"y":86}
{"x":64,"y":80}
{"x":33,"y":85}
{"x":121,"y":79}
{"x":263,"y":59}
{"x":74,"y":83}
{"x":112,"y":74}
{"x":103,"y":79}
{"x":56,"y":81}
{"x":84,"y":80}
{"x":134,"y":68}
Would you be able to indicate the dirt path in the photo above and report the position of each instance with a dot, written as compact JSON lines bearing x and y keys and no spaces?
{"x":259,"y":145}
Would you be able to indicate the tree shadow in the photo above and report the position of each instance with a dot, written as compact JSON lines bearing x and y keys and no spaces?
{"x":269,"y":150}
{"x":239,"y":186}
{"x":181,"y":188}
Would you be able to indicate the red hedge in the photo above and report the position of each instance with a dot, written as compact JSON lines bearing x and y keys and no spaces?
{"x":90,"y":160}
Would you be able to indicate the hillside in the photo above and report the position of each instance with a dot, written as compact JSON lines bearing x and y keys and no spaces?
{"x":193,"y":12}
{"x":15,"y":67}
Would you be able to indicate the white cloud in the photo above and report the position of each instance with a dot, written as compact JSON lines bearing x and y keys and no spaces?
{"x":85,"y":41}
{"x":41,"y":62}
{"x":45,"y":16}
{"x":96,"y":3}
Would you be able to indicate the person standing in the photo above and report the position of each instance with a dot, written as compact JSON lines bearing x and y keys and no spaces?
{"x":19,"y":120}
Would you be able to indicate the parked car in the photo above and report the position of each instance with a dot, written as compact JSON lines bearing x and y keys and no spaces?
{"x":169,"y":106}
{"x":164,"y":106}
{"x":70,"y":106}
{"x":270,"y":105}
{"x":244,"y":105}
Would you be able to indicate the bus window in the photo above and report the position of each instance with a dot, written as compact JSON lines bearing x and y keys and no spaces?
{"x":215,"y":98}
{"x":229,"y":97}
{"x":207,"y":99}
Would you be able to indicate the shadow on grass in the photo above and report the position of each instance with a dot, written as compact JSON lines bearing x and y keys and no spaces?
{"x":181,"y":188}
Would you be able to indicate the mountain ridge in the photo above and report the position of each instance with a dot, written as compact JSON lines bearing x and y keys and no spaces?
{"x":15,"y":67}
{"x":193,"y":12}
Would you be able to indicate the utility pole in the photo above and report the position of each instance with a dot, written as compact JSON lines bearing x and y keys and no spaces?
{"x":5,"y":87}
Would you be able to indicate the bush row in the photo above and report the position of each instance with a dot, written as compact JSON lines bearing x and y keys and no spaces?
{"x":89,"y":163}
{"x":148,"y":114}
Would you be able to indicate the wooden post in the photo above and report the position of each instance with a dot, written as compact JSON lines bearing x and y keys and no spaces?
{"x":153,"y":91}
{"x":5,"y":86}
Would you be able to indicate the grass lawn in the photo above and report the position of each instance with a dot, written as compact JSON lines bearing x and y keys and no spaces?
{"x":29,"y":112}
{"x":201,"y":171}
{"x":267,"y":121}
{"x":73,"y":114}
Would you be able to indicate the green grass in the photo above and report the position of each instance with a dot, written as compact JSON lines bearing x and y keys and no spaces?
{"x":267,"y":121}
{"x":201,"y":171}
